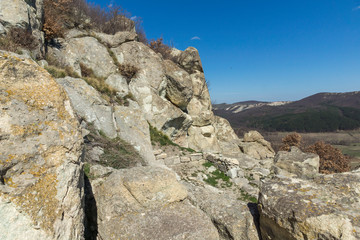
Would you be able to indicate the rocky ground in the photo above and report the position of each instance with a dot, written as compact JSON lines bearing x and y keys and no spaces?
{"x":143,"y":157}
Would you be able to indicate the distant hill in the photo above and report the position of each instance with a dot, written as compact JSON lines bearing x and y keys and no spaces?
{"x":322,"y":112}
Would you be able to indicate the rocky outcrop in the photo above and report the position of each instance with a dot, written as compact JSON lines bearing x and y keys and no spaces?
{"x":231,"y":216}
{"x":325,"y":208}
{"x":24,"y":14}
{"x":113,"y":41}
{"x":147,"y":203}
{"x":302,"y":165}
{"x":179,"y":85}
{"x":256,"y":146}
{"x":41,"y":176}
{"x":88,"y":51}
{"x":127,"y":123}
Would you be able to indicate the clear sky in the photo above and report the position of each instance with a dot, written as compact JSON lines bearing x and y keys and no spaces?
{"x":274,"y":50}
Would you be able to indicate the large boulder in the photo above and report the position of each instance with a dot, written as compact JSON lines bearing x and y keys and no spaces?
{"x":128,"y":123}
{"x":113,"y":41}
{"x":326,"y":207}
{"x":303,"y":165}
{"x":26,"y":15}
{"x":41,"y":193}
{"x":87,"y":51}
{"x":147,"y":203}
{"x":228,"y":140}
{"x":203,"y":139}
{"x":190,"y":60}
{"x":119,"y":84}
{"x":231,"y":216}
{"x":149,"y":89}
{"x":256,"y":146}
{"x":89,"y":105}
{"x":179,"y":85}
{"x":199,"y":107}
{"x":134,"y":129}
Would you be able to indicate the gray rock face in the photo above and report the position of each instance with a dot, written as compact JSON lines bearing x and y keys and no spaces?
{"x":228,"y":140}
{"x":21,"y":14}
{"x":144,"y":203}
{"x":89,"y":105}
{"x":119,"y":83}
{"x":179,"y":85}
{"x":90,"y":52}
{"x":303,"y":165}
{"x":203,"y":138}
{"x":26,"y":15}
{"x":325,"y":208}
{"x":232,"y":217}
{"x":190,"y":60}
{"x":113,"y":41}
{"x":127,"y":123}
{"x":256,"y":146}
{"x":134,"y":129}
{"x":41,"y":189}
{"x":199,"y":107}
{"x":149,"y":90}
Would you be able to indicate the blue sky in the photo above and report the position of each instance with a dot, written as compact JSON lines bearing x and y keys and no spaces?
{"x":259,"y":49}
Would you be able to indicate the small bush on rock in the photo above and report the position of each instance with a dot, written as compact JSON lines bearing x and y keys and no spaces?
{"x":331,"y":159}
{"x":86,"y":72}
{"x":160,"y":47}
{"x":17,"y":38}
{"x":128,"y":71}
{"x":291,"y":140}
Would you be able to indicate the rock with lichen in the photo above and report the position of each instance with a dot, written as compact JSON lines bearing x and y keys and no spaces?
{"x":41,"y":194}
{"x":326,"y":207}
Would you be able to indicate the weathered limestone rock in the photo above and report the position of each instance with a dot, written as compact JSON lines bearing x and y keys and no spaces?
{"x":190,"y":60}
{"x":151,"y":69}
{"x":256,"y":146}
{"x":19,"y":13}
{"x":89,"y":105}
{"x":232,"y":217}
{"x":117,"y":39}
{"x":326,"y":207}
{"x":203,"y":139}
{"x":40,"y":144}
{"x":149,"y":90}
{"x":88,"y":51}
{"x":199,"y":107}
{"x":26,"y":15}
{"x":145,"y":203}
{"x":226,"y":136}
{"x":127,"y":123}
{"x":119,"y":83}
{"x":134,"y":129}
{"x":303,"y":165}
{"x":179,"y":85}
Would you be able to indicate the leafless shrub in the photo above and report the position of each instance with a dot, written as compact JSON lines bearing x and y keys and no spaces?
{"x":128,"y":71}
{"x":17,"y":38}
{"x":331,"y":159}
{"x":291,"y":140}
{"x":160,"y":47}
{"x":62,"y":14}
{"x":86,"y":72}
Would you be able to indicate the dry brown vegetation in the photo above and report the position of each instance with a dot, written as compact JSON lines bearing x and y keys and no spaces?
{"x":293,"y":139}
{"x":160,"y":47}
{"x":60,"y":15}
{"x":331,"y":159}
{"x":86,"y":72}
{"x":128,"y":71}
{"x":17,"y":38}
